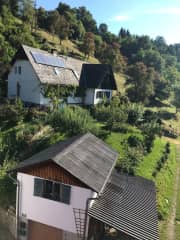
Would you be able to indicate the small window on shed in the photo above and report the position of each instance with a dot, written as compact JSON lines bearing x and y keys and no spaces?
{"x":19,"y":69}
{"x":48,"y":189}
{"x":56,"y":192}
{"x":38,"y":187}
{"x":66,"y":191}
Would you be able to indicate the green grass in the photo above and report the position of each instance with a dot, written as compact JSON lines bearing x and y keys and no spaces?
{"x":177,"y":226}
{"x":147,"y":166}
{"x":164,"y":181}
{"x":116,"y":139}
{"x":165,"y":177}
{"x":177,"y":230}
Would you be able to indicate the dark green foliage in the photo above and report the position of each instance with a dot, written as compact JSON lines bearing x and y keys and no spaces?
{"x":129,"y":162}
{"x":140,"y":82}
{"x":113,"y":113}
{"x":134,"y":141}
{"x":87,"y":19}
{"x":88,"y":45}
{"x":12,"y":113}
{"x":7,"y":188}
{"x":150,"y":130}
{"x":135,"y":113}
{"x":72,"y":120}
{"x":162,"y":160}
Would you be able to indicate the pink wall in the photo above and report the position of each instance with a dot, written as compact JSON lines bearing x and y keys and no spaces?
{"x":50,"y":212}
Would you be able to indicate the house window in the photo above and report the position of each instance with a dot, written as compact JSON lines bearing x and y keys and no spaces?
{"x":18,"y":89}
{"x":103,"y":94}
{"x":19,"y":69}
{"x":52,"y":190}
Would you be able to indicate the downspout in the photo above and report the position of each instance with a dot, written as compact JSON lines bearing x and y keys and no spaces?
{"x":17,"y":182}
{"x":86,"y":214}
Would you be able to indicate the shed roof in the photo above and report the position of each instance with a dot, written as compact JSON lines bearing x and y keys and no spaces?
{"x":97,"y":76}
{"x":128,"y":204}
{"x":85,"y":156}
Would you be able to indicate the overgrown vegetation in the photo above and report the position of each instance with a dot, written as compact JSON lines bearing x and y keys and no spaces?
{"x":151,"y":76}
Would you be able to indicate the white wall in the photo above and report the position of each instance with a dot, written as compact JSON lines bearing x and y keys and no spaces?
{"x":50,"y":212}
{"x":74,"y":100}
{"x":30,"y":85}
{"x":89,"y":97}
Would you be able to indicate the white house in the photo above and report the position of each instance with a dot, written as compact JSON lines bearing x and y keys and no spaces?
{"x":70,"y":191}
{"x":33,"y":68}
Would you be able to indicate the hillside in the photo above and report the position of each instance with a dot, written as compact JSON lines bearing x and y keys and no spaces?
{"x":141,"y":114}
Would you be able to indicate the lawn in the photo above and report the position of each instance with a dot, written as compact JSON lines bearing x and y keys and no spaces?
{"x":147,"y":166}
{"x":177,"y":226}
{"x":116,"y":139}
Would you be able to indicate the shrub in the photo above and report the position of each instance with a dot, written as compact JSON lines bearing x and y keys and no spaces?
{"x":150,"y":130}
{"x":134,"y":141}
{"x":72,"y":120}
{"x":135,"y":113}
{"x":12,"y":114}
{"x":130,"y":160}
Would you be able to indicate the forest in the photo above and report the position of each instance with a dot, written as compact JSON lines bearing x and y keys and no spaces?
{"x":144,"y":109}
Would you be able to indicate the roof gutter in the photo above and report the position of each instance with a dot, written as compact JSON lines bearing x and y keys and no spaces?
{"x":16,"y":182}
{"x":86,"y":215}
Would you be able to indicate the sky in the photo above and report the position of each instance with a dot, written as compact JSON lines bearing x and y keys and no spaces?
{"x":140,"y":17}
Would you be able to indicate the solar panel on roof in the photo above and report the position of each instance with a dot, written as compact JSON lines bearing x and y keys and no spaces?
{"x":47,"y":59}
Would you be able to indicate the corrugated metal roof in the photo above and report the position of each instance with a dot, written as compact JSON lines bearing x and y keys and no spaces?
{"x":85,"y":156}
{"x":98,"y":76}
{"x":128,"y":204}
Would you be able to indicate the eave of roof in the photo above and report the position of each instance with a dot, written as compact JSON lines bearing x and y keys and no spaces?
{"x":128,"y":204}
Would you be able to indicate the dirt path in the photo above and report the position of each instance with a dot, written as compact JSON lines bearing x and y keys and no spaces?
{"x":172,"y":217}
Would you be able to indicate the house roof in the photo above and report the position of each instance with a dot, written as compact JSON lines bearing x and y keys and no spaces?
{"x":98,"y":76}
{"x":68,"y":74}
{"x":128,"y":204}
{"x":85,"y":156}
{"x":71,"y":71}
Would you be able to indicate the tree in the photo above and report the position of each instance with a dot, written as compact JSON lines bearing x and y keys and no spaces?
{"x":153,"y":59}
{"x":160,"y":44}
{"x":110,"y":54}
{"x":123,"y":33}
{"x":27,"y":12}
{"x":62,"y":28}
{"x":42,"y":18}
{"x":63,"y":8}
{"x":176,"y":100}
{"x":103,"y":28}
{"x":141,"y":82}
{"x":87,"y":19}
{"x":88,"y":45}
